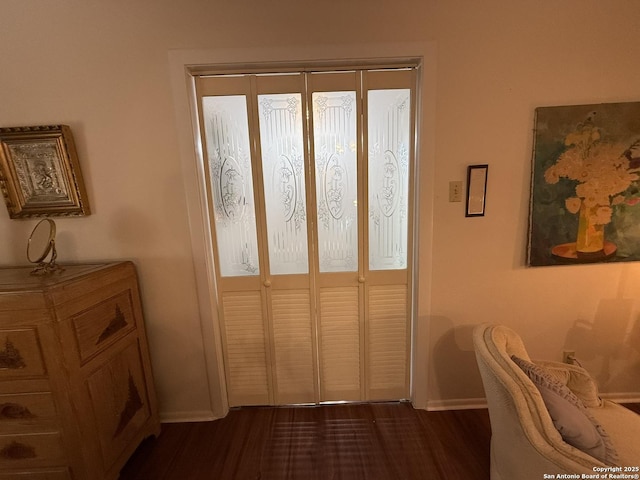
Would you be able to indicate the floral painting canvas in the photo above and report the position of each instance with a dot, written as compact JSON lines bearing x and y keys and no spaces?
{"x":585,"y":194}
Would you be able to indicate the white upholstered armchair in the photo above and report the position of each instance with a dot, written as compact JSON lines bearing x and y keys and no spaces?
{"x":546,"y":416}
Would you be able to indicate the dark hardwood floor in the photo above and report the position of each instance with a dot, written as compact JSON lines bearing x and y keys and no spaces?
{"x":380,"y":441}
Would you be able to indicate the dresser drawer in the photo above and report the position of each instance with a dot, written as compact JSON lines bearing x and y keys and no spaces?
{"x":20,"y":354}
{"x":26,"y":410}
{"x":76,"y":392}
{"x":37,"y":450}
{"x":103,"y":324}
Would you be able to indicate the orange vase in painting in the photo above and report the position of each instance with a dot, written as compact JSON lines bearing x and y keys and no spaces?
{"x":590,"y":240}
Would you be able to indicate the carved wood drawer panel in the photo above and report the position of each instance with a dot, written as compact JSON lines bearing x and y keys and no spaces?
{"x":20,"y":354}
{"x":31,"y":450}
{"x":27,"y":409}
{"x":119,"y":400}
{"x":103,"y":324}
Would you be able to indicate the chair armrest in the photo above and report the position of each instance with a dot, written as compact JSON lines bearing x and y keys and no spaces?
{"x":577,"y":379}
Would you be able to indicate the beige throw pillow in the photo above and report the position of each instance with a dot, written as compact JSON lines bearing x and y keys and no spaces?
{"x":569,"y":415}
{"x":577,"y":379}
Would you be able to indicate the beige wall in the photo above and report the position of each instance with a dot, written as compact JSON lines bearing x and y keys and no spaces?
{"x":103,"y":68}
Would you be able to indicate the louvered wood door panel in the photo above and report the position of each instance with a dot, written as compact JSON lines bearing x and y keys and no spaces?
{"x":387,"y":343}
{"x":293,"y":347}
{"x":339,"y":341}
{"x":245,"y":348}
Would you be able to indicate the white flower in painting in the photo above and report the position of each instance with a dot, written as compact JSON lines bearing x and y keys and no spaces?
{"x":602,"y":169}
{"x":617,"y":200}
{"x":551,"y":175}
{"x":592,"y":194}
{"x":584,"y":136}
{"x":573,"y":204}
{"x":603,"y":215}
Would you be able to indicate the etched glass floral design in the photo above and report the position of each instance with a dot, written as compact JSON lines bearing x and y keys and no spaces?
{"x":229,"y":164}
{"x":335,"y":147}
{"x":282,"y":147}
{"x":389,"y":136}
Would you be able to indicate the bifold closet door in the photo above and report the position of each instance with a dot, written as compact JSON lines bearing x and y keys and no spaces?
{"x":254,"y":134}
{"x":310,"y":207}
{"x":389,"y":138}
{"x":363,"y":134}
{"x":337,"y":153}
{"x":286,"y":236}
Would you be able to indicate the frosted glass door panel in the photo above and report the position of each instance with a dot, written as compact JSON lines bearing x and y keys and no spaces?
{"x":388,"y":138}
{"x":335,"y":147}
{"x":281,"y":142}
{"x":229,"y":163}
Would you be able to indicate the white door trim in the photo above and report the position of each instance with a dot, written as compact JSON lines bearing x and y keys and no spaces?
{"x":181,"y":65}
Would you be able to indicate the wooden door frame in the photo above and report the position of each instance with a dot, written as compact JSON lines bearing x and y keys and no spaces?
{"x":185,"y":65}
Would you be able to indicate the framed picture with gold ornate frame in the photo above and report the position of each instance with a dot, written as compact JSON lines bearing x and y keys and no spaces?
{"x":40,"y":173}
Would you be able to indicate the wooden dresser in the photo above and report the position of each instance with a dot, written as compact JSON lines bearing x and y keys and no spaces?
{"x":76,"y":391}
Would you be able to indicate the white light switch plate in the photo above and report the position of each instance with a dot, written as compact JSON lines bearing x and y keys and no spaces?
{"x":455,"y":191}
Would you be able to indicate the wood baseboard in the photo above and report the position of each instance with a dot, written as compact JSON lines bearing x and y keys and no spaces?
{"x":621,"y":397}
{"x":473,"y":403}
{"x":187,"y":417}
{"x":456,"y":404}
